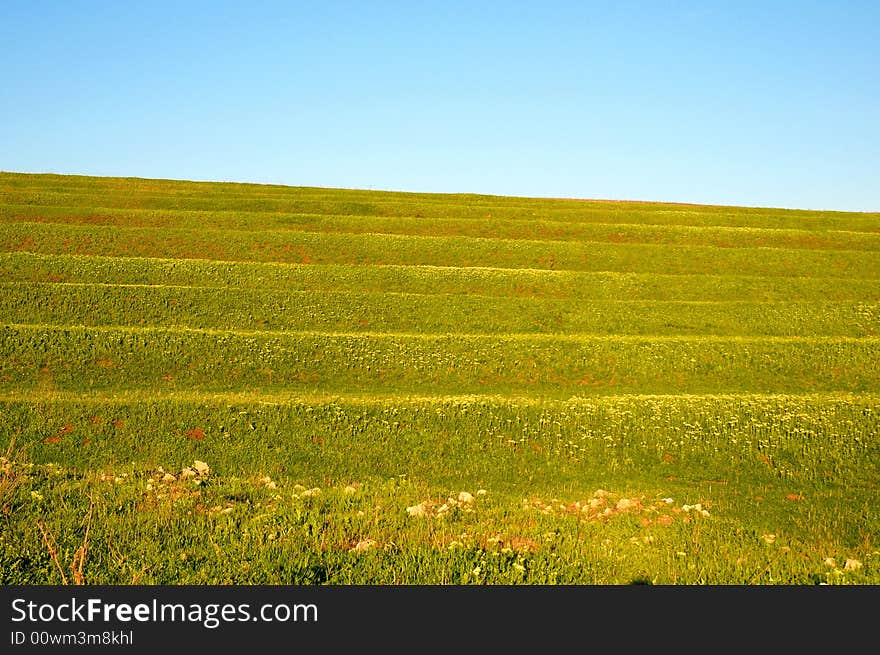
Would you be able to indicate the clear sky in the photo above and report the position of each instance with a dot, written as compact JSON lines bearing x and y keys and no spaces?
{"x":740,"y":103}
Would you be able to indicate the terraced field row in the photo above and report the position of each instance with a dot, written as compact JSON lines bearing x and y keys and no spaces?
{"x":89,"y":359}
{"x":329,"y":248}
{"x":222,"y":308}
{"x":557,"y":441}
{"x":479,"y":281}
{"x":486,"y":228}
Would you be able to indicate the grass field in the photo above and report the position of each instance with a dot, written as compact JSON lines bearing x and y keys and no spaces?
{"x":206,"y":383}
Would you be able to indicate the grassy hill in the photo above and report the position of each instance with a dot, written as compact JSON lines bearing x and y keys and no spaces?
{"x":236,"y":383}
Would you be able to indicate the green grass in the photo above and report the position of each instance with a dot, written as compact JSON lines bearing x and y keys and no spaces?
{"x":365,"y":249}
{"x":472,"y":281}
{"x":226,"y":308}
{"x":624,"y":392}
{"x":93,"y":359}
{"x":544,"y":229}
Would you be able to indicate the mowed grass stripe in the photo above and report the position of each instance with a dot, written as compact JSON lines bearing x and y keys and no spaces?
{"x":170,"y":195}
{"x":51,"y":284}
{"x":258,"y":309}
{"x":427,"y":336}
{"x":96,"y":359}
{"x":509,"y":229}
{"x":478,"y":281}
{"x":383,"y":400}
{"x":438,"y":251}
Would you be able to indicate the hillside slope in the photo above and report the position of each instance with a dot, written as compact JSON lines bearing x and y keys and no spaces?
{"x":537,"y":348}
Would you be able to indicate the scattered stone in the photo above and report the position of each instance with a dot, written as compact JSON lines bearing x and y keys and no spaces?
{"x":364,"y":545}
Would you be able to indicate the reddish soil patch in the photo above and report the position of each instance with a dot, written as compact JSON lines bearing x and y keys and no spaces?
{"x":196,"y":434}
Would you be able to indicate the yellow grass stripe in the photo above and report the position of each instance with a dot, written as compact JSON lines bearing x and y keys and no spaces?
{"x":465,"y":270}
{"x":513,"y":336}
{"x":429,"y":238}
{"x":417,"y":294}
{"x":281,"y":398}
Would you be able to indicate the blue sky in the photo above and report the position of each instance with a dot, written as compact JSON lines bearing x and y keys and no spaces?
{"x":738,"y":103}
